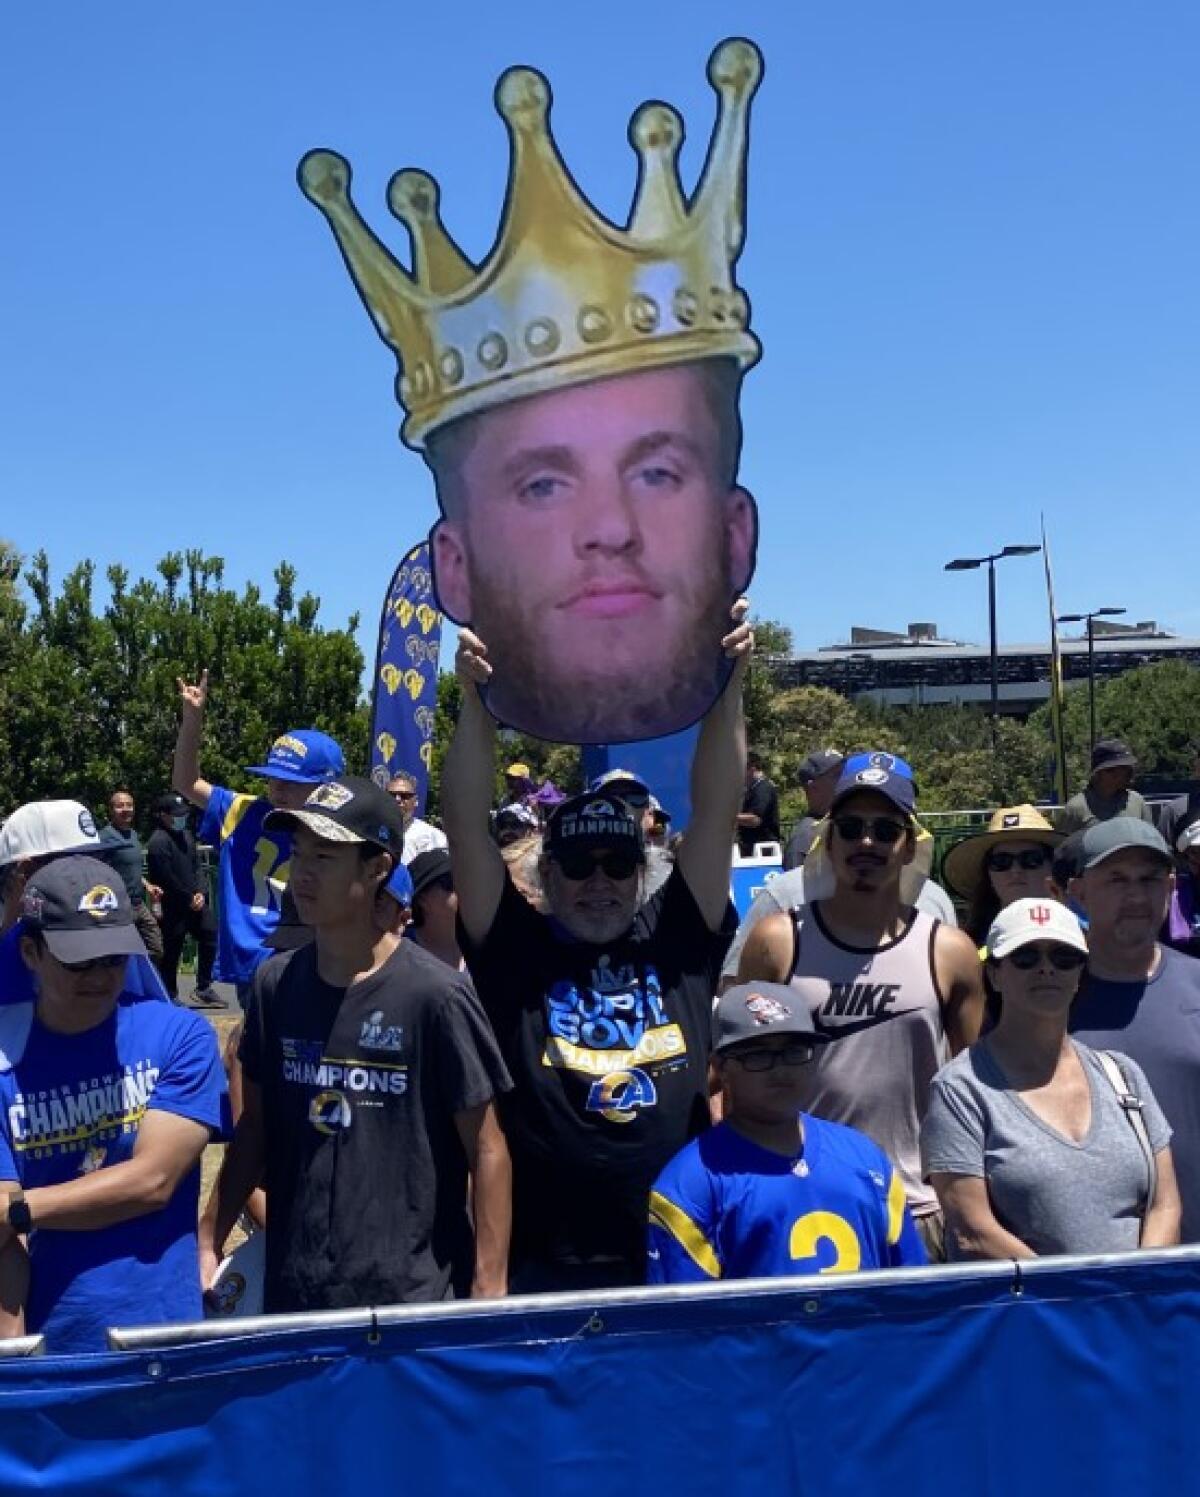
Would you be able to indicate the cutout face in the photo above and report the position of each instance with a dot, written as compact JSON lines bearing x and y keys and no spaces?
{"x":595,"y":538}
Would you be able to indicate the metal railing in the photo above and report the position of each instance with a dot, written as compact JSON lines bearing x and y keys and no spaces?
{"x":809,"y":1292}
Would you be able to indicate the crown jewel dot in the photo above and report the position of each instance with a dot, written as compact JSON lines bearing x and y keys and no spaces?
{"x":523,"y":95}
{"x":642,"y":312}
{"x":541,"y":336}
{"x":656,"y":127}
{"x":493,"y":351}
{"x":450,"y":366}
{"x":594,"y":324}
{"x":685,"y":306}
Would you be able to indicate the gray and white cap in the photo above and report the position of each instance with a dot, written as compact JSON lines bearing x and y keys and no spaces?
{"x":754,"y":1010}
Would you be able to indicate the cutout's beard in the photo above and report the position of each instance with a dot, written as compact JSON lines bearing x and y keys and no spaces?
{"x":585,"y":701}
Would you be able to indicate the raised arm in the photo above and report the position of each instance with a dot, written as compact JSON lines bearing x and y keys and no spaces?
{"x":467,"y":795}
{"x":718,"y":771}
{"x":185,"y":773}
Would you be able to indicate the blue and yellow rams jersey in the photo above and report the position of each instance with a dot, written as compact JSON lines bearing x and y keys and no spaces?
{"x":252,"y":873}
{"x":726,"y":1208}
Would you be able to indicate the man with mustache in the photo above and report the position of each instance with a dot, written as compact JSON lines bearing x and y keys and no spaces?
{"x":896,"y":992}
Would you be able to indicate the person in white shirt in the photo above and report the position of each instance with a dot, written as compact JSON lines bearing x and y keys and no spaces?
{"x":419,"y":836}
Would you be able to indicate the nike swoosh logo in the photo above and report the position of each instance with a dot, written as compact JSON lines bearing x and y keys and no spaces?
{"x":839,"y":1031}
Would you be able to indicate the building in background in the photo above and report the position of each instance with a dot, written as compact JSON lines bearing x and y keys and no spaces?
{"x":920,"y":669}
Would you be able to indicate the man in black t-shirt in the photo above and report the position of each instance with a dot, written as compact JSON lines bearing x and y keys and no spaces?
{"x":603,"y":1006}
{"x":758,"y":820}
{"x":369,"y":1079}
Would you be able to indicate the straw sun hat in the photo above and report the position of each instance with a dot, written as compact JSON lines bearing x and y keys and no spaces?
{"x":963,"y":866}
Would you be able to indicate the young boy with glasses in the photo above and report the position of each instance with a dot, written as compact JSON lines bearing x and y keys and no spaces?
{"x":771,"y":1191}
{"x":898,"y":991}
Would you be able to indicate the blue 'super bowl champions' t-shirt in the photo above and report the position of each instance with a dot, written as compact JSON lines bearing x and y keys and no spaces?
{"x":253,"y":871}
{"x":726,"y":1208}
{"x":71,"y":1104}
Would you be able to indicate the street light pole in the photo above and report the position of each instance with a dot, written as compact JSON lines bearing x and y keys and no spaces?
{"x":1089,"y":619}
{"x":967,"y":564}
{"x":1091,"y":634}
{"x":993,"y":646}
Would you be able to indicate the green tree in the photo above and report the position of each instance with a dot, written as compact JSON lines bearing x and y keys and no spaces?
{"x":89,"y":693}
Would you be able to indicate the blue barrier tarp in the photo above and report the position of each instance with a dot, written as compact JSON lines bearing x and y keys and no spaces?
{"x":1081,"y":1381}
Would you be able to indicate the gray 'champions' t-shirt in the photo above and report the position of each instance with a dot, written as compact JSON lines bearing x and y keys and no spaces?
{"x":1056,"y":1195}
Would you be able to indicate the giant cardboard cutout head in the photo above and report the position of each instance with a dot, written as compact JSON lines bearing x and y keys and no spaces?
{"x":576,"y":398}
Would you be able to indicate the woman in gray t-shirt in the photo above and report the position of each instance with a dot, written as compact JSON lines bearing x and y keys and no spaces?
{"x":1026,"y":1142}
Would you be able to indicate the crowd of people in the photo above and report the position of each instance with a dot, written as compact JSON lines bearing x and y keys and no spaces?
{"x":533,"y":1049}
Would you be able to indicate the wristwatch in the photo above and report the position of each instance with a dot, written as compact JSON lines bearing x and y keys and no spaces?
{"x":19,"y":1218}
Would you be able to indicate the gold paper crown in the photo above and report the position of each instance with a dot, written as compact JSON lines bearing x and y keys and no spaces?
{"x":564,"y":296}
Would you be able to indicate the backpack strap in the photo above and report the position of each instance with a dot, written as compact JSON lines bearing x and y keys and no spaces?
{"x":1132,"y":1105}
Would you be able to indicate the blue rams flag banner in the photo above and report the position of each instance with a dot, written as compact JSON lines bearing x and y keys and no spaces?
{"x":404,"y":704}
{"x":1048,"y":1377}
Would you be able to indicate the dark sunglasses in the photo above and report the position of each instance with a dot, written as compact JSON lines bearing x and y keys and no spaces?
{"x":880,"y":829}
{"x":1031,"y":859}
{"x":403,"y":794}
{"x":1065,"y":958}
{"x":578,"y":866}
{"x":763,"y":1059}
{"x":95,"y":964}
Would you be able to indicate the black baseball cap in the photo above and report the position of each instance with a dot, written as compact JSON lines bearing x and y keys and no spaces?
{"x":820,"y":763}
{"x":81,"y":910}
{"x":349,"y":809}
{"x":752,"y":1010}
{"x":588,"y":821}
{"x":427,"y":867}
{"x":1112,"y":753}
{"x":172,"y":804}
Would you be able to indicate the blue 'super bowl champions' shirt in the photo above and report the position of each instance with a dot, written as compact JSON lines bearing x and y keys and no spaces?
{"x":73,"y":1103}
{"x":253,"y":871}
{"x":726,"y":1208}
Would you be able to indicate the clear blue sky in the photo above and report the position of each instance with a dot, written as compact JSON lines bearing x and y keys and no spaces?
{"x":971,"y":255}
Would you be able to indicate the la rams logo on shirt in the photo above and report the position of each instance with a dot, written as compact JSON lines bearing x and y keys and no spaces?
{"x":329,"y":1112}
{"x":98,"y":902}
{"x":618,"y":1095}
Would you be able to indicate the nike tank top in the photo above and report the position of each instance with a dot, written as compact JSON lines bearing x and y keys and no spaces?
{"x":882,"y":1012}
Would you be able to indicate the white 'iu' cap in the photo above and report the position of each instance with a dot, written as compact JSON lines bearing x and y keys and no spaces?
{"x":1028,"y":920}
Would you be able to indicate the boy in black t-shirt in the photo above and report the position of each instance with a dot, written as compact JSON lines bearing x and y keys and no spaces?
{"x":602,"y":1007}
{"x":370,"y":1074}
